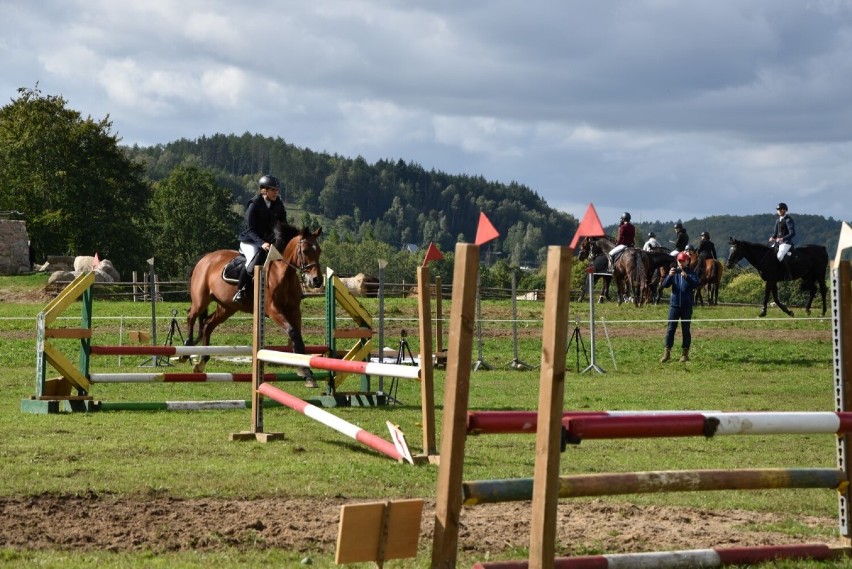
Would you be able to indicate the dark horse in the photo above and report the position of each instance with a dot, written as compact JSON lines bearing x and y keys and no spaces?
{"x":630,"y":269}
{"x":300,"y":251}
{"x":808,"y":263}
{"x":600,"y":265}
{"x":660,"y":261}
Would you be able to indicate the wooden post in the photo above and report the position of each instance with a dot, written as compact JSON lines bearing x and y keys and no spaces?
{"x":841,"y":310}
{"x":427,"y":389}
{"x":439,"y":316}
{"x":457,"y":388}
{"x":550,"y":401}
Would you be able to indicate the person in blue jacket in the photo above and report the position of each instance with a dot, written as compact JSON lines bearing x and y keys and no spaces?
{"x":683,"y":281}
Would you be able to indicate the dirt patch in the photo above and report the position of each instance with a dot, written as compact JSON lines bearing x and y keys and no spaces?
{"x":160,"y":524}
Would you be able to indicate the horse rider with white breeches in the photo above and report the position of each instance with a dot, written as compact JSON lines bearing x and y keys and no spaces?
{"x":682,"y":239}
{"x":785,"y":231}
{"x":626,"y":237}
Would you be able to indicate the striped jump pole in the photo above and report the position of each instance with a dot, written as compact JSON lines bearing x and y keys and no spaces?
{"x":376,"y":443}
{"x":716,"y":557}
{"x":610,"y":425}
{"x":334,"y":364}
{"x":610,"y":484}
{"x":191,"y":377}
{"x":222,"y":405}
{"x":187,"y":351}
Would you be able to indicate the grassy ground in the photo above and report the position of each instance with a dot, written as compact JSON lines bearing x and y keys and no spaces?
{"x":738,"y":363}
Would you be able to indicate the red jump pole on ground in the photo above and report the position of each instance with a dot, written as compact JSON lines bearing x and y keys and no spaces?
{"x":366,"y":438}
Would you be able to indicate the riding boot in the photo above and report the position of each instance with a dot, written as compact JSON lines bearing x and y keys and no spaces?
{"x":243,"y":286}
{"x":667,"y":355}
{"x":685,"y":355}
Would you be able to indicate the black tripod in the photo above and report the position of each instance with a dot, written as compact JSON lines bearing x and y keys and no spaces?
{"x":174,"y":327}
{"x":577,"y":340}
{"x":402,"y":353}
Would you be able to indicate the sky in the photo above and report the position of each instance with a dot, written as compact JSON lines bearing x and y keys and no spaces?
{"x":669,"y":110}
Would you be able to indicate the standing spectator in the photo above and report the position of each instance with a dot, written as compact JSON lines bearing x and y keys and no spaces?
{"x":652,"y":242}
{"x":683,"y":282}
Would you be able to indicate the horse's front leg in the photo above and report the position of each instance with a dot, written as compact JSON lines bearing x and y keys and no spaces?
{"x":778,"y":302}
{"x":292,"y":326}
{"x":766,"y":291}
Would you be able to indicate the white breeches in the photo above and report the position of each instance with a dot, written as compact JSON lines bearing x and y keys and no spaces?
{"x":783,"y":248}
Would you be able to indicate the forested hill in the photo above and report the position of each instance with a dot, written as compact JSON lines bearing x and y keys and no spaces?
{"x":400,"y":203}
{"x":391,"y":201}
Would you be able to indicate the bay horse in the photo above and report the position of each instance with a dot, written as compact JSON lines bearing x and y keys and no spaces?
{"x":807,"y":263}
{"x":710,"y":280}
{"x":300,"y":251}
{"x":600,"y":265}
{"x":630,"y":270}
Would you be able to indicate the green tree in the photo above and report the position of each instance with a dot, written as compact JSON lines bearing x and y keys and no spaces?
{"x":79,"y":191}
{"x":192,"y":216}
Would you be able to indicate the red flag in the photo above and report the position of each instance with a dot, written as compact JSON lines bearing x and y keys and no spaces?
{"x":485,"y":232}
{"x":432,"y":254}
{"x":590,"y":226}
{"x":96,"y":261}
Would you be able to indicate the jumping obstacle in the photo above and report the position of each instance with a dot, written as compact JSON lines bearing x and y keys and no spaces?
{"x":554,"y":428}
{"x":398,"y":449}
{"x":72,"y":390}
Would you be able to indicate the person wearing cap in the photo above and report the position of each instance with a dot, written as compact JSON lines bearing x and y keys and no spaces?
{"x":652,"y":242}
{"x":682,"y":239}
{"x":782,"y":236}
{"x":626,"y":237}
{"x":706,"y":250}
{"x":683,"y":281}
{"x":263,"y":212}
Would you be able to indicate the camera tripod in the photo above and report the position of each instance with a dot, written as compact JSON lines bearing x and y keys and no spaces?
{"x":402,"y":353}
{"x":174,"y":328}
{"x":577,"y":340}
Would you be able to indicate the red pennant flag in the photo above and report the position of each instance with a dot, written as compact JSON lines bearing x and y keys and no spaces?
{"x":96,"y":261}
{"x":590,"y":226}
{"x":485,"y":232}
{"x":432,"y":254}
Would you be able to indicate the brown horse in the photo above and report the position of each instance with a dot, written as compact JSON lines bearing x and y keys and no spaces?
{"x":300,"y":252}
{"x":711,"y":278}
{"x":630,"y":269}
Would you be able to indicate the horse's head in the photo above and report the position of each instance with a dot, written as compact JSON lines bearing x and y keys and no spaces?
{"x":305,"y":256}
{"x":585,"y":248}
{"x":735,"y":253}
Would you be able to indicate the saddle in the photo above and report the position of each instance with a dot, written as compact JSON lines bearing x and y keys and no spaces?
{"x":231,"y":272}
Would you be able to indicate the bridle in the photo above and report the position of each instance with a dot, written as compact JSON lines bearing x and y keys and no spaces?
{"x":302,"y":266}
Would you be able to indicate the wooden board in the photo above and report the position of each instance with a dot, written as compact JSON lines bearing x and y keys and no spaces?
{"x":365,"y":535}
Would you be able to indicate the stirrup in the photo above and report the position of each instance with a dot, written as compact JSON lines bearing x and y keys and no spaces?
{"x":239,"y":296}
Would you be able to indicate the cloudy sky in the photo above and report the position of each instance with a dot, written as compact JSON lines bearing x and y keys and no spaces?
{"x":667,"y":109}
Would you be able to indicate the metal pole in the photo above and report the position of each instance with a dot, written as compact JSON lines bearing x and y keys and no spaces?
{"x":516,"y":362}
{"x":382,"y":264}
{"x":593,"y":365}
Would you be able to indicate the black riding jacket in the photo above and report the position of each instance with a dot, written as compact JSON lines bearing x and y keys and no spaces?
{"x":261,"y":220}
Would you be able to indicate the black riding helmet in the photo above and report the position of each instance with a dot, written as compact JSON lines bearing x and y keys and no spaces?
{"x":625,"y":216}
{"x":678,"y":225}
{"x":782,"y":205}
{"x":652,"y":234}
{"x":269,"y":182}
{"x":705,"y":234}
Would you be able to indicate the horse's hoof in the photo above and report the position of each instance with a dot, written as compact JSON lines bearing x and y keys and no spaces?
{"x":790,"y":313}
{"x":311,"y":383}
{"x":762,"y":314}
{"x":305,"y":373}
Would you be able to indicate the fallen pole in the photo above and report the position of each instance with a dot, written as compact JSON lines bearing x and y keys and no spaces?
{"x":334,"y":364}
{"x":191,"y":377}
{"x":186,"y":351}
{"x":366,"y":438}
{"x":608,"y":484}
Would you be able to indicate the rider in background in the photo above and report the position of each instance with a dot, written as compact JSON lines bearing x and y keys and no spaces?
{"x":682,"y":239}
{"x":683,"y":282}
{"x":782,"y":236}
{"x":626,"y":237}
{"x":707,"y":250}
{"x":652,"y":242}
{"x":264,"y":211}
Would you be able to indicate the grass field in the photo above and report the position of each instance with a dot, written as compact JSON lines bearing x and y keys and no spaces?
{"x":738,"y":362}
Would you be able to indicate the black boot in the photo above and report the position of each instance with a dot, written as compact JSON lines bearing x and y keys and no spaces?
{"x":243,"y":290}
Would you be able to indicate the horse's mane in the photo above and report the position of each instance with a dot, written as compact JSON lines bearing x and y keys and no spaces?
{"x":283,"y":233}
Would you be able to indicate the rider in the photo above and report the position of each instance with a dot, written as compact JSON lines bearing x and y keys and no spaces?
{"x":782,"y":236}
{"x":683,"y":282}
{"x":707,"y":250}
{"x":626,"y":237}
{"x":263,"y":212}
{"x":682,"y":239}
{"x":652,"y":242}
